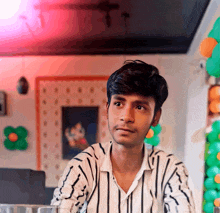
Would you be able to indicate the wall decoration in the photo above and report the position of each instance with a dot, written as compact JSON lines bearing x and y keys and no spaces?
{"x":79,"y":127}
{"x":15,"y":138}
{"x":71,"y":115}
{"x":152,"y":137}
{"x":211,"y":194}
{"x":3,"y":103}
{"x":211,"y":197}
{"x":22,"y":86}
{"x":210,"y":48}
{"x":214,"y":99}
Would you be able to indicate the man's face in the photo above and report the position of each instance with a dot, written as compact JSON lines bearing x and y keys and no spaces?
{"x":130,"y":117}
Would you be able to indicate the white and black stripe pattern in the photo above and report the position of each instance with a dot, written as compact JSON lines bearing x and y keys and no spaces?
{"x":160,"y":185}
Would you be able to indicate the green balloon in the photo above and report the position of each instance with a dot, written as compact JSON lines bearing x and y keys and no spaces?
{"x":145,"y":140}
{"x":216,"y":24}
{"x":214,"y":148}
{"x":209,"y":183}
{"x":21,"y":132}
{"x":211,"y":34}
{"x":216,"y":126}
{"x":21,"y":144}
{"x":217,"y":185}
{"x":213,"y":67}
{"x":212,"y":171}
{"x":216,"y":54}
{"x":149,"y":141}
{"x":210,"y":195}
{"x":155,"y":140}
{"x":216,"y":33}
{"x":213,"y":136}
{"x":208,"y":207}
{"x":8,"y":130}
{"x":212,"y":161}
{"x":9,"y":145}
{"x":157,"y":129}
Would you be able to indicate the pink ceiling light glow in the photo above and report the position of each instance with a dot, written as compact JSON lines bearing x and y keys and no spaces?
{"x":10,"y":11}
{"x":9,"y":8}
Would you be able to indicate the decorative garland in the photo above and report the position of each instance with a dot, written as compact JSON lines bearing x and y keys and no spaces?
{"x":210,"y":48}
{"x":212,"y":170}
{"x":15,"y":138}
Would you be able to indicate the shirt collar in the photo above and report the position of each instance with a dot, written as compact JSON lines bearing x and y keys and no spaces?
{"x":107,"y":165}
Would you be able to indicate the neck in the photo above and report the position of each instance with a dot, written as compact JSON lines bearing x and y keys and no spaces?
{"x":126,"y":159}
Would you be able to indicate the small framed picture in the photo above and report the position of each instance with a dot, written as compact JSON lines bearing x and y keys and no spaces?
{"x":79,"y":129}
{"x":2,"y":103}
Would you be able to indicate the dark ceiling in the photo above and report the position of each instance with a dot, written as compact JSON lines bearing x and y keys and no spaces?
{"x":90,"y":27}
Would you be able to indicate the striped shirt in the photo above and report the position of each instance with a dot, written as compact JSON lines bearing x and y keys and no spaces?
{"x":88,"y":185}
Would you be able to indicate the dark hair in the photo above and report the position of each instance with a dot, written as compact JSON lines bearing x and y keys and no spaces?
{"x":138,"y":77}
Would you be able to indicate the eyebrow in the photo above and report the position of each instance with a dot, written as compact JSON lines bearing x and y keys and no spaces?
{"x":142,"y":102}
{"x":118,"y":97}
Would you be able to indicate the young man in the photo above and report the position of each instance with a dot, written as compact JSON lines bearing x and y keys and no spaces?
{"x":123,"y":176}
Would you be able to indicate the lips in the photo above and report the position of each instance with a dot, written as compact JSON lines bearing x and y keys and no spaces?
{"x":125,"y":129}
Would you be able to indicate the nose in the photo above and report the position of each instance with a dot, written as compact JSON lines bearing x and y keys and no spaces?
{"x":127,"y":115}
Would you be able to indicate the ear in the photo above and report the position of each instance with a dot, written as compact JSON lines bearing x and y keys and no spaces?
{"x":156,"y":117}
{"x":107,"y":106}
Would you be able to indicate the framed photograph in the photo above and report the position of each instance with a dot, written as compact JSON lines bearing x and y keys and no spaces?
{"x":71,"y":115}
{"x":79,"y":129}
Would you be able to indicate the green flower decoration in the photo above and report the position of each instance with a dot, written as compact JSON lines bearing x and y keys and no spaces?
{"x":15,"y":138}
{"x":153,"y":138}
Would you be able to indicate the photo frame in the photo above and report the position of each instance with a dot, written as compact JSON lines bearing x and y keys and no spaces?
{"x":68,"y":107}
{"x":3,"y":105}
{"x":79,"y":129}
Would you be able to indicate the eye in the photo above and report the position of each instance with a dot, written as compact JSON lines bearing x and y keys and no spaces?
{"x":117,"y":103}
{"x":140,"y":107}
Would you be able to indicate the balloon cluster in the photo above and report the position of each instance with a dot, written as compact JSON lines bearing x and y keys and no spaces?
{"x":212,"y":169}
{"x":152,"y":137}
{"x":210,"y":48}
{"x":15,"y":138}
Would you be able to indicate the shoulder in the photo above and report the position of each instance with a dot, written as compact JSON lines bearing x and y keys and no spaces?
{"x":167,"y":166}
{"x":159,"y":158}
{"x":158,"y":153}
{"x":86,"y":164}
{"x":93,"y":153}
